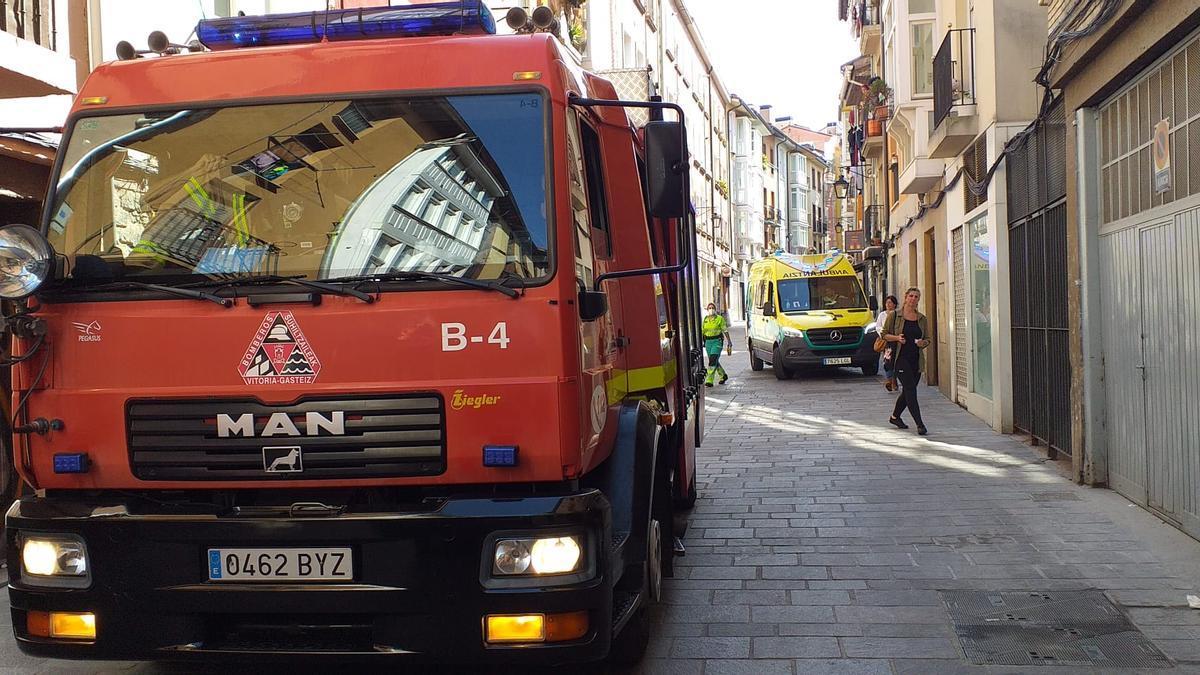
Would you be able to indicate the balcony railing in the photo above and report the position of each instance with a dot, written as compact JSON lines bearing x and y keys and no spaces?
{"x":866,"y":14}
{"x":32,"y":20}
{"x":954,"y":73}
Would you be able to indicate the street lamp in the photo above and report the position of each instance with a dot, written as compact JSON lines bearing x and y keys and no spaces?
{"x":841,"y":187}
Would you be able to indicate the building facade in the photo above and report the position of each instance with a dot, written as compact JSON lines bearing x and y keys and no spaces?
{"x":941,"y":89}
{"x":1124,"y":243}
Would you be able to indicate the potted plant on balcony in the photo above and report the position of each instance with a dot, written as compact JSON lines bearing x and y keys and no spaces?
{"x":880,"y":94}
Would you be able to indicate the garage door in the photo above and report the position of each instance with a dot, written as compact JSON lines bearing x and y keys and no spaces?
{"x":1150,"y":289}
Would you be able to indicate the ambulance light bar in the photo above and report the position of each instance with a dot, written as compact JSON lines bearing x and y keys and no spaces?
{"x":470,"y":17}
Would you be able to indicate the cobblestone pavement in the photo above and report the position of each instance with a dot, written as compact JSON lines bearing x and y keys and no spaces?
{"x":823,"y":536}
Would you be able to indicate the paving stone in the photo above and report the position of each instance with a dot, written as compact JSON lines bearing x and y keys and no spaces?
{"x":796,"y":647}
{"x":886,"y":648}
{"x":755,"y":667}
{"x":711,"y":648}
{"x":843,"y":667}
{"x":791,"y":614}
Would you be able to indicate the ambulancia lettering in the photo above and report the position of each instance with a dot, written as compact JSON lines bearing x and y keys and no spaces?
{"x":281,"y":424}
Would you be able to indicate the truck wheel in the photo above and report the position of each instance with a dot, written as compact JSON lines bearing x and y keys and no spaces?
{"x":781,"y":371}
{"x":756,"y":364}
{"x":871,"y":368}
{"x":629,"y":646}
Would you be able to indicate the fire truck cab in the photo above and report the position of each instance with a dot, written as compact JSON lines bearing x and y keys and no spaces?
{"x":360,"y":332}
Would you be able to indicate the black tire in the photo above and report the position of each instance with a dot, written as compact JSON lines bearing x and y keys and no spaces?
{"x":871,"y":368}
{"x":781,"y":371}
{"x":756,"y":364}
{"x":629,"y":646}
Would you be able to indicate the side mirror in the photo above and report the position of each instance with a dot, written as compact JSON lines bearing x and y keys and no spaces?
{"x":873,"y":303}
{"x":592,"y":304}
{"x":666,"y":169}
{"x":769,"y":309}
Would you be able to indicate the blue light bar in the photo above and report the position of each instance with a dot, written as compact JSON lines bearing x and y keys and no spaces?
{"x":75,"y":462}
{"x":465,"y":17}
{"x":499,"y":455}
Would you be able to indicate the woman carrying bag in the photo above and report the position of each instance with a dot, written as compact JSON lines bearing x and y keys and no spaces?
{"x":890,"y":303}
{"x":906,"y":330}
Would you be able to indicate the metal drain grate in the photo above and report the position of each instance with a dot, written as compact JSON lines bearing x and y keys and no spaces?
{"x":1054,"y":496}
{"x":1070,"y":628}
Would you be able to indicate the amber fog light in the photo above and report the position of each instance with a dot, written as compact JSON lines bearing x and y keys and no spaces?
{"x":516,"y":628}
{"x":64,"y":625}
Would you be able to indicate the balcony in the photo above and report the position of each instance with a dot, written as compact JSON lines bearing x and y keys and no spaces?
{"x":956,"y":123}
{"x":873,"y":140}
{"x":921,"y":175}
{"x":29,"y":64}
{"x":873,"y":222}
{"x":867,"y":27}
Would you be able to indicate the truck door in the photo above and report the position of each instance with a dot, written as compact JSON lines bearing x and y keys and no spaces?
{"x":602,"y":356}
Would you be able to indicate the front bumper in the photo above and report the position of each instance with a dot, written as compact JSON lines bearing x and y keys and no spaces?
{"x":417,"y":592}
{"x":798,"y":353}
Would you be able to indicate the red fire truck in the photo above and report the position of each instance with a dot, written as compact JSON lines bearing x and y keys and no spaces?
{"x":359,"y":332}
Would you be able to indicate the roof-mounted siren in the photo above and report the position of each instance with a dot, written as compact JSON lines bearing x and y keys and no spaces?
{"x":160,"y":44}
{"x":518,"y":20}
{"x":462,"y":17}
{"x":543,"y":19}
{"x":127,"y":52}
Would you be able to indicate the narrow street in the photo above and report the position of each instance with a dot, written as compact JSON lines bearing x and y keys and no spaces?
{"x":823,"y":536}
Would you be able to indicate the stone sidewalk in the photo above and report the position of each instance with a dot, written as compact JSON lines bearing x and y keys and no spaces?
{"x":823,"y":536}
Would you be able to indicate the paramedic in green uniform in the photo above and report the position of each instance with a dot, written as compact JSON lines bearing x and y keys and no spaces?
{"x":716,"y":333}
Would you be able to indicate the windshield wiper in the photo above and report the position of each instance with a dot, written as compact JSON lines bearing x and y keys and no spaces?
{"x":425,"y":276}
{"x":294,"y":280}
{"x":169,"y":290}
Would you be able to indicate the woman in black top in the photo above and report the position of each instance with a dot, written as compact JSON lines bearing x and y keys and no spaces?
{"x":909,"y":329}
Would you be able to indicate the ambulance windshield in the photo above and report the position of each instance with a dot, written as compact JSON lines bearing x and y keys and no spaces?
{"x":450,"y":184}
{"x":817,"y":293}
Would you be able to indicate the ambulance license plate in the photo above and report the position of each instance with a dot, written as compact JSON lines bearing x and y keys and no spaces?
{"x":280,"y":564}
{"x":837,"y":361}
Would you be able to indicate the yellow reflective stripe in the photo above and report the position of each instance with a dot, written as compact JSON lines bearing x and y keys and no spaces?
{"x":626,"y":382}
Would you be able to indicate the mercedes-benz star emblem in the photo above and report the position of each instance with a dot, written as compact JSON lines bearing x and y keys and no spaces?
{"x":836,"y":336}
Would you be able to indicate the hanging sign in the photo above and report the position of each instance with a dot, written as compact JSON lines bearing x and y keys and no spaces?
{"x":1161,"y":151}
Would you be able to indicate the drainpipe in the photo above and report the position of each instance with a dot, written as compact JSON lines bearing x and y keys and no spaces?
{"x":1091,"y":463}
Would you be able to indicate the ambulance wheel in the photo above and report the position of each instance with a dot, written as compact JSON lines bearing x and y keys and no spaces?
{"x":871,"y":368}
{"x":781,"y":371}
{"x":756,"y":364}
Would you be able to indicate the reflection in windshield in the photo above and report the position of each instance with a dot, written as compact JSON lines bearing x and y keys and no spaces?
{"x":802,"y":295}
{"x":451,"y":185}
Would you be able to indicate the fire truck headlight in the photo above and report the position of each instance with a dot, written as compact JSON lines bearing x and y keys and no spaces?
{"x":54,"y":561}
{"x":26,"y":260}
{"x":537,"y":556}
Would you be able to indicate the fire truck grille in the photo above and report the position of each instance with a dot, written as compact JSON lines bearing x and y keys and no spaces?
{"x":316,"y":438}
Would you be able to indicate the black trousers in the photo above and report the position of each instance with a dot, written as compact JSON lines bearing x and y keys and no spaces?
{"x":909,"y":375}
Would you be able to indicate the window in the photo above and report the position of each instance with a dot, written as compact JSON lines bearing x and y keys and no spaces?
{"x":922,"y":48}
{"x":582,"y":229}
{"x":597,"y":196}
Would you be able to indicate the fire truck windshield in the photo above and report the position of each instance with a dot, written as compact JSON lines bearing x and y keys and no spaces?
{"x":449,"y":184}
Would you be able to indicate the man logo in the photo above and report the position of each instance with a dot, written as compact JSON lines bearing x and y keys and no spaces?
{"x":835,"y":336}
{"x":287,"y":459}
